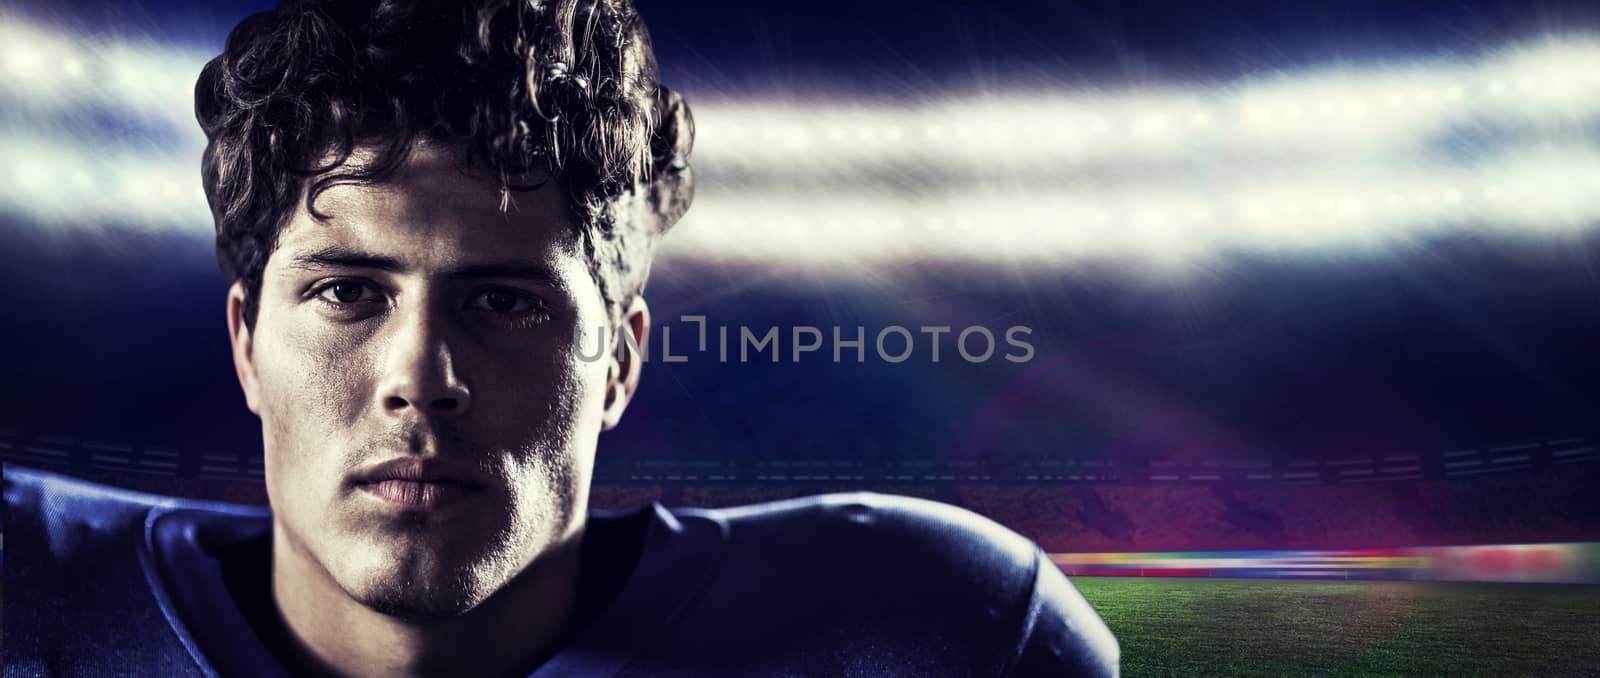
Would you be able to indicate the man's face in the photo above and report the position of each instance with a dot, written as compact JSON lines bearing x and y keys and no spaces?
{"x":419,"y":323}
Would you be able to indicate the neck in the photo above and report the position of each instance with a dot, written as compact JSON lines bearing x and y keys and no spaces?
{"x":514,"y":630}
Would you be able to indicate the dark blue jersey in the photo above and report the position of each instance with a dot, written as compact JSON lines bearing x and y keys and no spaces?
{"x":100,"y":581}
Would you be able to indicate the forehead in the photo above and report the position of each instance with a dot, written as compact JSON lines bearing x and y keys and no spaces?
{"x":431,"y":212}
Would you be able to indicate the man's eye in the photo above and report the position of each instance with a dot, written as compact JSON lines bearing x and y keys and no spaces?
{"x":504,"y":301}
{"x":344,"y":292}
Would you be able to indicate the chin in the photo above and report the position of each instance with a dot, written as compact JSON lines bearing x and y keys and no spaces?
{"x":419,"y":581}
{"x":406,"y":601}
{"x":422,"y":594}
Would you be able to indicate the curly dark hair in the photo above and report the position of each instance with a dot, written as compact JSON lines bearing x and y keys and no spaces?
{"x":558,"y":88}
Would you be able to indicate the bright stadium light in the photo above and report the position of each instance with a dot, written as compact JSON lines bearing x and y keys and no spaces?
{"x":48,"y":71}
{"x":1529,"y":191}
{"x":1373,"y":110}
{"x":1551,"y":79}
{"x":1347,"y":158}
{"x":60,"y":184}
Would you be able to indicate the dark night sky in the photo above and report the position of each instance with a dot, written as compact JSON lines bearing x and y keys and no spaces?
{"x":1464,"y":340}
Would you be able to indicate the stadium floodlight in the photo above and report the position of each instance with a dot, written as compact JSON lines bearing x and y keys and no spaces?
{"x":1377,"y":111}
{"x":1345,"y":158}
{"x":48,"y":71}
{"x":1540,"y":191}
{"x":61,"y":184}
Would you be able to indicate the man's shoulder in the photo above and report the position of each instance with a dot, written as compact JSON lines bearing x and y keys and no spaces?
{"x":56,"y":517}
{"x":83,"y":513}
{"x":82,"y":597}
{"x":53,"y":520}
{"x":935,"y":585}
{"x":875,"y":533}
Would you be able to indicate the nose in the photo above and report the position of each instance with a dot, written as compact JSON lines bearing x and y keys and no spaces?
{"x":420,"y":371}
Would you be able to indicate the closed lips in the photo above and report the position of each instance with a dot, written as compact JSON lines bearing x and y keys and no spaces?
{"x":420,"y":470}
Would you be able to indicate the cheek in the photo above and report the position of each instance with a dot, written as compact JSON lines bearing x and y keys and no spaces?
{"x":583,"y":382}
{"x":312,"y":376}
{"x":555,"y":434}
{"x":534,"y":386}
{"x":546,"y":403}
{"x":591,"y":370}
{"x":312,"y":389}
{"x":566,"y":355}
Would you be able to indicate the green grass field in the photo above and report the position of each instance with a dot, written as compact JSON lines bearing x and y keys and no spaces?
{"x":1245,"y":627}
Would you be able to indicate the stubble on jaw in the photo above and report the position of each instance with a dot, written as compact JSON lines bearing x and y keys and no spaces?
{"x":419,"y":580}
{"x":510,"y":552}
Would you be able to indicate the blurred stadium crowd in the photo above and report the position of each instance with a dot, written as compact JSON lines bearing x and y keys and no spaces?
{"x":1533,"y":493}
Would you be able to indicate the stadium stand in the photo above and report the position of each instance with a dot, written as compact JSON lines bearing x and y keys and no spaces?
{"x":1542,"y":492}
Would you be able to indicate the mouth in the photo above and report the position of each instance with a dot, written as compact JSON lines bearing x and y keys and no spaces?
{"x":419,"y":483}
{"x":416,"y":495}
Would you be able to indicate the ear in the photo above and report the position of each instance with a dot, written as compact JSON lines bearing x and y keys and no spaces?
{"x":243,"y":348}
{"x":622,"y":377}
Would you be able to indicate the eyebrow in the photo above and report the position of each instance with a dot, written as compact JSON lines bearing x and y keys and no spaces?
{"x":338,"y":256}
